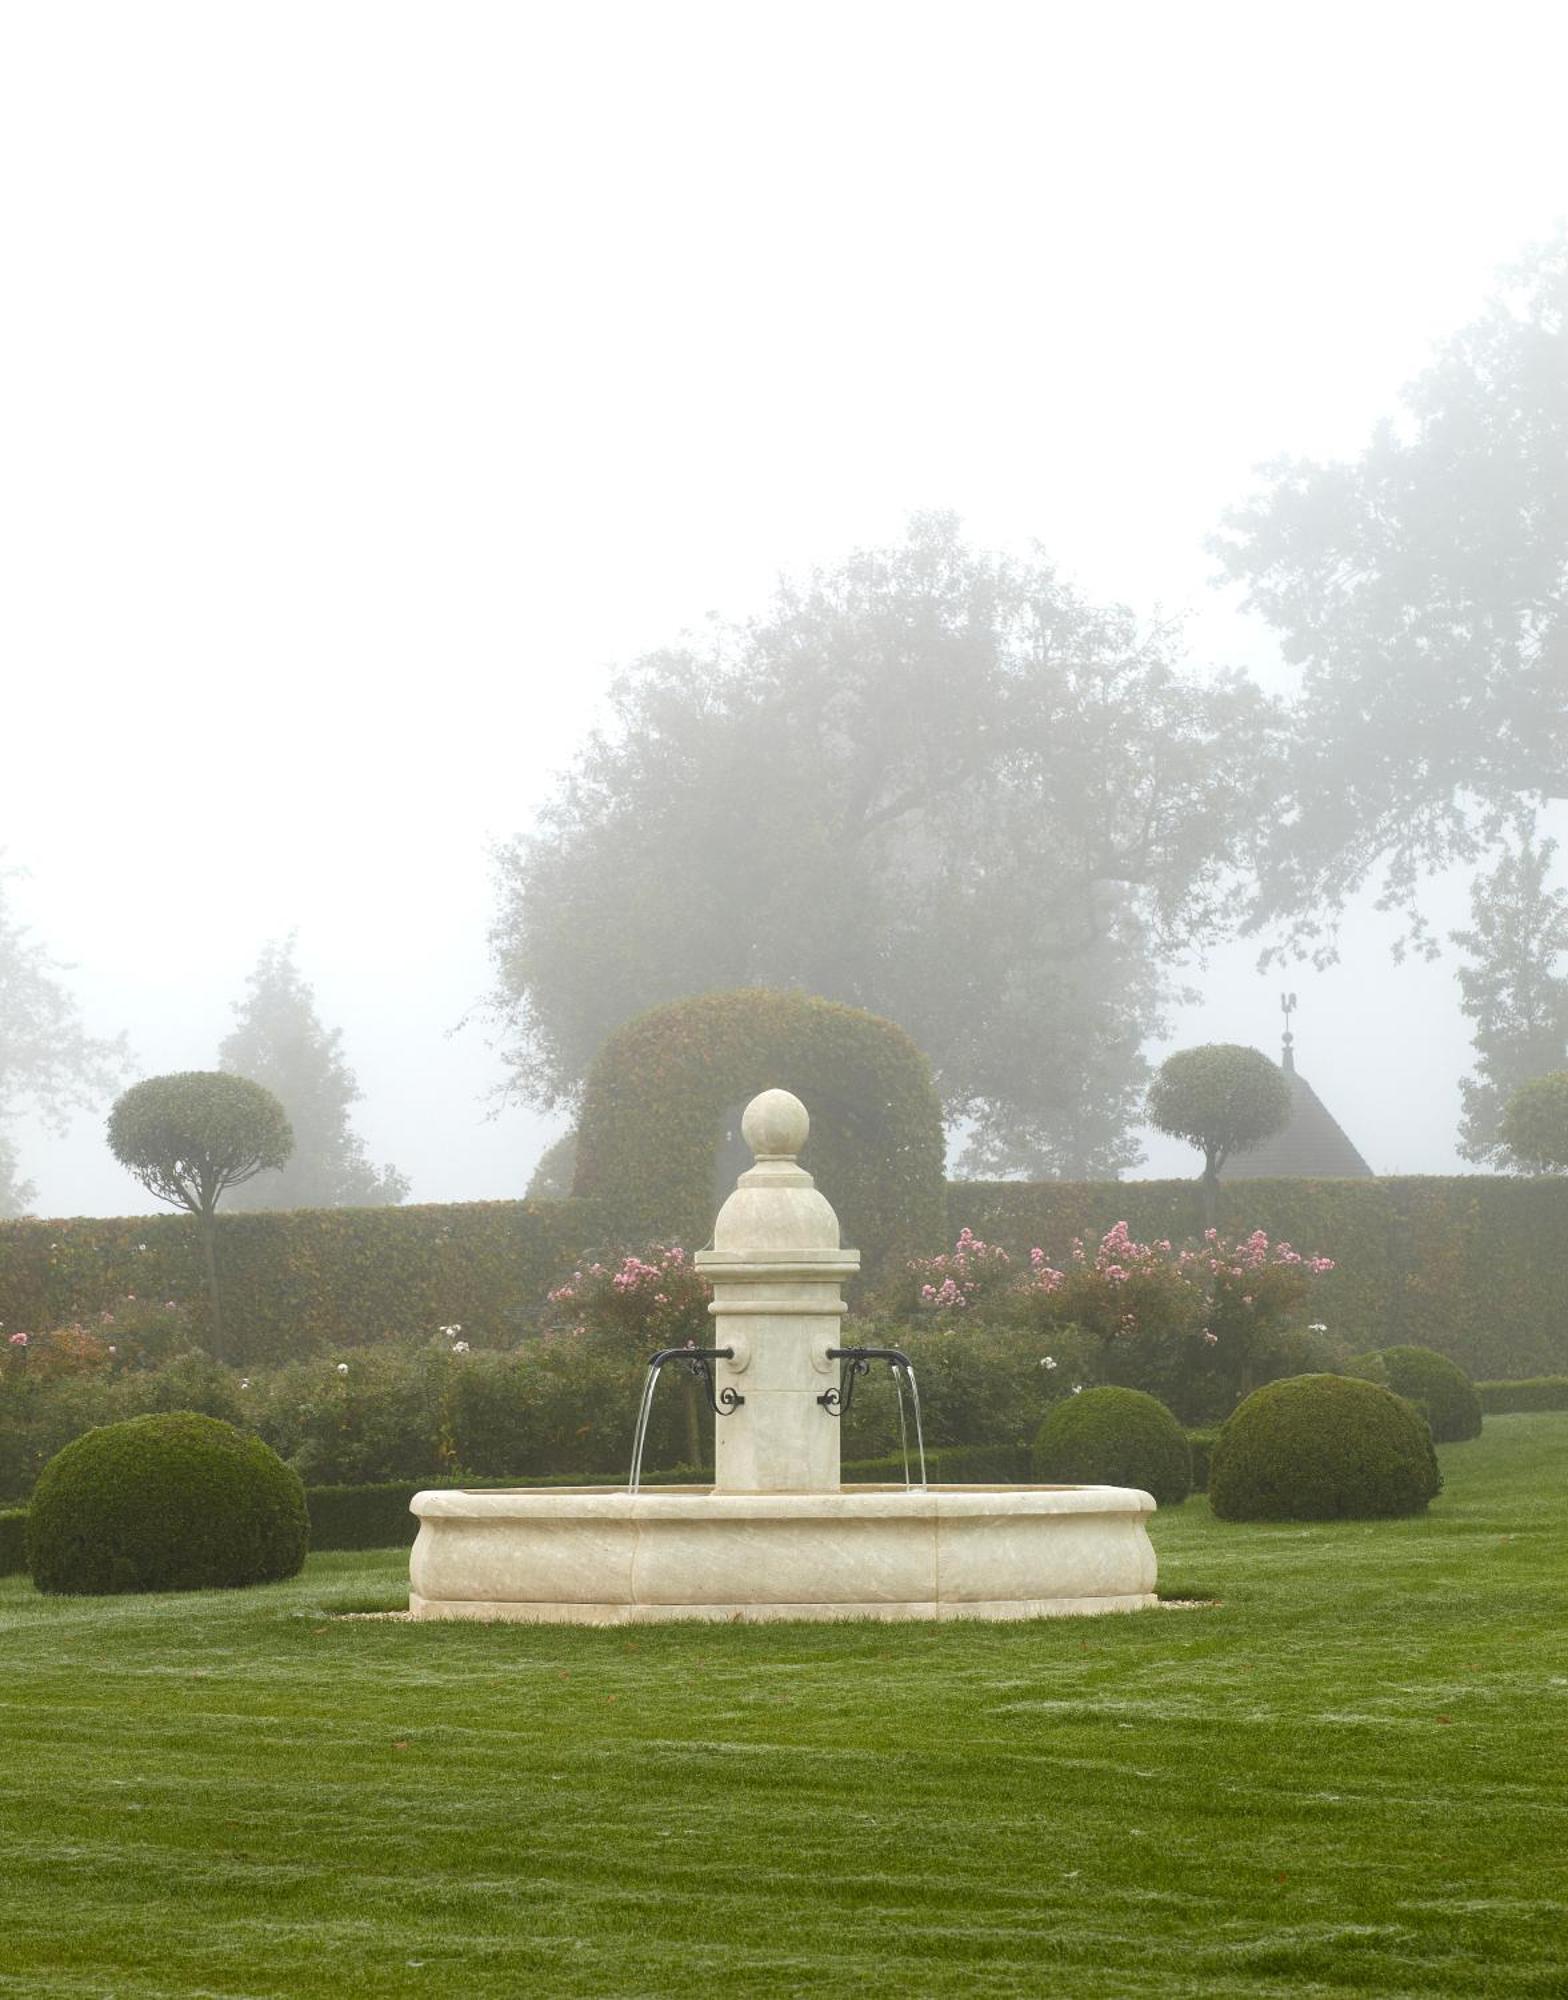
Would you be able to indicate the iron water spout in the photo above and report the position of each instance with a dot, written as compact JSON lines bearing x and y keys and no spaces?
{"x":699,"y":1363}
{"x":837,"y":1400}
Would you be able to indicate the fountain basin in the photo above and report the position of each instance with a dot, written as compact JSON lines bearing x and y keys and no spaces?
{"x":603,"y":1556}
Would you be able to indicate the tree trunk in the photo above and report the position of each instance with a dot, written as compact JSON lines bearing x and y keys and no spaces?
{"x":210,"y":1261}
{"x":1211,"y":1197}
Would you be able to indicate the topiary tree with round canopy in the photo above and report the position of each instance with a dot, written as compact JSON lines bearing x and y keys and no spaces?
{"x":1223,"y":1099}
{"x":190,"y":1136}
{"x":661,"y":1095}
{"x":1534,"y":1124}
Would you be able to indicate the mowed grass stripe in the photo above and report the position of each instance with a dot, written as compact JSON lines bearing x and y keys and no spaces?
{"x":1343,"y":1779}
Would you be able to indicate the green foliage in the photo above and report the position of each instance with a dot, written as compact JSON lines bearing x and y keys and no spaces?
{"x":1534,"y":1126}
{"x":43,"y":1408}
{"x":300,"y":1283}
{"x":981,"y":1383}
{"x":1221,"y":1098}
{"x":176,"y":1502}
{"x":1512,"y":989}
{"x":659,"y":1092}
{"x":190,"y":1136}
{"x":1422,"y":589}
{"x":1115,"y":1437}
{"x":1201,"y":1444}
{"x":560,"y":1405}
{"x":1322,"y":1448}
{"x":1538,"y":1392}
{"x":892,"y":789}
{"x":1439,"y":1388}
{"x":1475,"y":1266}
{"x":13,"y":1541}
{"x":280,"y":1043}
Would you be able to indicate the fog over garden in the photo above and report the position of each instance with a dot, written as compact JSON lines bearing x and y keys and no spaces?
{"x":383,"y":400}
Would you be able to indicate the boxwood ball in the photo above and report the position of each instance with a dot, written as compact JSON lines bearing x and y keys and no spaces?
{"x":1115,"y":1437}
{"x":1322,"y":1448}
{"x":168,"y":1502}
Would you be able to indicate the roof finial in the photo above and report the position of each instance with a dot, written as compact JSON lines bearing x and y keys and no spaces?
{"x":1287,"y":1006}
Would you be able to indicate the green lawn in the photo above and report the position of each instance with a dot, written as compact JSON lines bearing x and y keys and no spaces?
{"x":1349,"y":1777}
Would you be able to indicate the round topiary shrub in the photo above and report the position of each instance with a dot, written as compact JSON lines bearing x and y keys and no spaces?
{"x":169,"y":1502}
{"x":1322,"y":1448}
{"x":1115,"y":1437}
{"x":654,"y":1109}
{"x":1438,"y":1387}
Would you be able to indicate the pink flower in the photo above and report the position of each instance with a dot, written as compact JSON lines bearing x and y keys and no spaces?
{"x":17,"y":1340}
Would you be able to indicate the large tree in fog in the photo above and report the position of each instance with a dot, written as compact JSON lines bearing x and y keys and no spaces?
{"x":1423,"y":588}
{"x":280,"y":1043}
{"x":935,"y":783}
{"x":49,"y":1064}
{"x":1515,"y":988}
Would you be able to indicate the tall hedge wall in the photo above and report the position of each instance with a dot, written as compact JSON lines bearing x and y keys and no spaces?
{"x":298,"y":1281}
{"x":1474,"y":1265}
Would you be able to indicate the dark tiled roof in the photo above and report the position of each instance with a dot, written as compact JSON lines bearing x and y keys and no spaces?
{"x":1311,"y":1146}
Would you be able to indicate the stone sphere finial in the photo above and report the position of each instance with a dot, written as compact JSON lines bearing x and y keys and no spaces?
{"x":775,"y":1125}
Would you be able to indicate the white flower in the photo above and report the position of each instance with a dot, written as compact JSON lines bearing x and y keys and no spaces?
{"x":459,"y":1346}
{"x":1318,"y":1326}
{"x":1047,"y":1361}
{"x":246,"y":1383}
{"x":1077,"y":1388}
{"x":342,"y":1367}
{"x":451,"y":1332}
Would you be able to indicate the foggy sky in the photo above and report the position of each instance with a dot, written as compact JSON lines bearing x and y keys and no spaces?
{"x":375,"y":377}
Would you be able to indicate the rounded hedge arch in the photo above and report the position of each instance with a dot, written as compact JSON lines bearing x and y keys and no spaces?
{"x":175,"y":1501}
{"x":656,"y":1098}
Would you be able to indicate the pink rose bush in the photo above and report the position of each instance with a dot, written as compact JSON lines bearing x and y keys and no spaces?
{"x":1164,"y":1318}
{"x":651,"y":1300}
{"x":969,"y":1274}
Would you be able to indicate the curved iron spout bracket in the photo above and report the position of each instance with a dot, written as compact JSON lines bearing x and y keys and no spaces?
{"x":837,"y":1401}
{"x":698,"y":1362}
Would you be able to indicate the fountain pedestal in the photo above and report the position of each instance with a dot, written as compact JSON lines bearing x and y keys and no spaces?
{"x":776,"y":1536}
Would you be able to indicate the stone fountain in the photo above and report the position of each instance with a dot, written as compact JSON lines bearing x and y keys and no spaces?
{"x":776,"y":1535}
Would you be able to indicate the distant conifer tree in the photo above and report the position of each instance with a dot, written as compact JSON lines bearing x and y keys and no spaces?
{"x":279,"y":1042}
{"x":1514,"y":991}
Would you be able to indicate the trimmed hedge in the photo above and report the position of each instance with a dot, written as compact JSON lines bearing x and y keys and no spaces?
{"x":13,"y":1541}
{"x":297,"y":1282}
{"x":1323,"y":1448}
{"x":1537,"y":1392}
{"x":1116,"y":1437}
{"x":176,"y":1502}
{"x":1474,"y":1265}
{"x":656,"y":1097}
{"x":1438,"y":1387}
{"x":1201,"y":1444}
